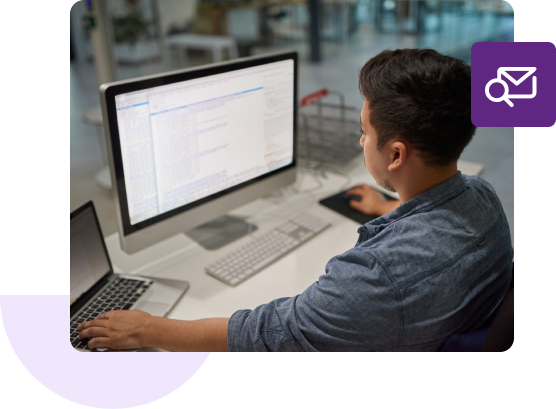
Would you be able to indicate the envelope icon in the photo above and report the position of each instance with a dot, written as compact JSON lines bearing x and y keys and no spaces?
{"x":502,"y":74}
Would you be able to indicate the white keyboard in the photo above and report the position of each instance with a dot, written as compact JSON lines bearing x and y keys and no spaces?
{"x":248,"y":260}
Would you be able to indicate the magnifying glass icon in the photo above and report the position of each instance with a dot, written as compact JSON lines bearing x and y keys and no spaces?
{"x":504,"y":96}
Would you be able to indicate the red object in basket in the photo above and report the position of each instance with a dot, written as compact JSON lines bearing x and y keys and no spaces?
{"x":315,"y":96}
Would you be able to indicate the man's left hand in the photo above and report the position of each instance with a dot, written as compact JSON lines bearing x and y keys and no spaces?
{"x":116,"y":329}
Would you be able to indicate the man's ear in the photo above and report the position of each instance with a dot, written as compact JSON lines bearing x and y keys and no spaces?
{"x":398,"y":155}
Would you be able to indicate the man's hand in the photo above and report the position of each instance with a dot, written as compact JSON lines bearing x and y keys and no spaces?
{"x":135,"y":329}
{"x":116,"y":329}
{"x":372,"y":202}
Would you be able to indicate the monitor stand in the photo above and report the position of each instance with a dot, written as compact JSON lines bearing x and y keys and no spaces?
{"x":220,"y":232}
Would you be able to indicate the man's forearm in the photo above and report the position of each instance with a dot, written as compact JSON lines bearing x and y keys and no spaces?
{"x":206,"y":335}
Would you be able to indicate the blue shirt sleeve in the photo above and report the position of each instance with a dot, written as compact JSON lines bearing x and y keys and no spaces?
{"x":353,"y":307}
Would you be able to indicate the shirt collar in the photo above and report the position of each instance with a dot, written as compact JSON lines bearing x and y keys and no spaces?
{"x":418,"y":204}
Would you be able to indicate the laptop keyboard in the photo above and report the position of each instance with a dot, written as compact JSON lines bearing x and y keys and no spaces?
{"x":121,"y":294}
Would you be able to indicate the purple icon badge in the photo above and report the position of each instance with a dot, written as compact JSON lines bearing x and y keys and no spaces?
{"x":513,"y":84}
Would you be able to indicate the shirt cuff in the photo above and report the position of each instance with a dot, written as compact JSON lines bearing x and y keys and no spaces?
{"x":237,"y":342}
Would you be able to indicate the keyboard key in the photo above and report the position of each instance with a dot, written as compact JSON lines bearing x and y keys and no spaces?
{"x":83,"y":343}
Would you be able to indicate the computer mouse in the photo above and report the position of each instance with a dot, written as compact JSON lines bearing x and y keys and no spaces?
{"x":352,"y":197}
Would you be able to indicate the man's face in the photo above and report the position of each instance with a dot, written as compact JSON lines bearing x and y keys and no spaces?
{"x":374,"y":159}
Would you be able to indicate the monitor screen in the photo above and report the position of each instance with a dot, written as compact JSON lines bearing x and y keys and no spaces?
{"x":183,"y":139}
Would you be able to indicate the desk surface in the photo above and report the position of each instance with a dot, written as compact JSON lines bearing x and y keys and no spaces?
{"x":181,"y":258}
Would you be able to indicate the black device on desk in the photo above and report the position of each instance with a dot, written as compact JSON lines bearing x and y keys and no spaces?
{"x":340,"y":203}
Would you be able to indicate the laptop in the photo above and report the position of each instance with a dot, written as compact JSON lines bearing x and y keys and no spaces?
{"x":95,"y":288}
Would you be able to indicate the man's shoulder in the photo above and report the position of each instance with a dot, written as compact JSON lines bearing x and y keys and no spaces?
{"x":440,"y":236}
{"x":472,"y":210}
{"x":479,"y":203}
{"x":480,"y":184}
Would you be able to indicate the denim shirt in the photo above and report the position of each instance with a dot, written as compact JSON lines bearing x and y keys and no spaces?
{"x":438,"y":265}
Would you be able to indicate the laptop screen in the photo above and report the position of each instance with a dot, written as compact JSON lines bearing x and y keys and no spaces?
{"x":88,"y":259}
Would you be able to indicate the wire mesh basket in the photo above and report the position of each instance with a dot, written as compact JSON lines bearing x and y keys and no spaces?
{"x":328,"y":133}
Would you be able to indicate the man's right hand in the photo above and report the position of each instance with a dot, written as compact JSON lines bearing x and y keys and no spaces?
{"x":135,"y":329}
{"x":372,"y":202}
{"x":116,"y":330}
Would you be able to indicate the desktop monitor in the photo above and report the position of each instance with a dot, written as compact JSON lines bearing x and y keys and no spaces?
{"x":188,"y":146}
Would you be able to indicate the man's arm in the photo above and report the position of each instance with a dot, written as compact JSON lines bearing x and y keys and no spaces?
{"x":136,"y":329}
{"x":206,"y":335}
{"x":353,"y":307}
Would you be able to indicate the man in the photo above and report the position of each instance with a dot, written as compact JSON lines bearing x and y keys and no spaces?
{"x":437,"y":263}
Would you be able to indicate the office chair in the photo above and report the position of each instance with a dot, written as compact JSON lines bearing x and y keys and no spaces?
{"x":501,"y":335}
{"x":498,"y":337}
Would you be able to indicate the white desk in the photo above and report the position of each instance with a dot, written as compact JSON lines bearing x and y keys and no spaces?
{"x":181,"y":258}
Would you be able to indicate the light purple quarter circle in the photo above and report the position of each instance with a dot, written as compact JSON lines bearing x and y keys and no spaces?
{"x":37,"y":327}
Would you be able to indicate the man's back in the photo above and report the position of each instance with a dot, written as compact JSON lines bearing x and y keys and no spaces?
{"x":436,"y":266}
{"x":448,"y":254}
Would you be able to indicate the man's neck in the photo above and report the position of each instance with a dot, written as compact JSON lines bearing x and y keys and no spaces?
{"x":426,"y":179}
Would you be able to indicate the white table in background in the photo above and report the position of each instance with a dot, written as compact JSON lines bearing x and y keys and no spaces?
{"x":214,"y":44}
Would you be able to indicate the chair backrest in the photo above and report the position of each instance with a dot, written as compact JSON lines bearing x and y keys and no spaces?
{"x":498,"y":337}
{"x":501,"y":334}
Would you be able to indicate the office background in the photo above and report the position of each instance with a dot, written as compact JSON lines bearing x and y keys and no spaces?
{"x":349,"y":33}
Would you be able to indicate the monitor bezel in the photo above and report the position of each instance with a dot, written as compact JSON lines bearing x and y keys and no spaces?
{"x":109,"y":93}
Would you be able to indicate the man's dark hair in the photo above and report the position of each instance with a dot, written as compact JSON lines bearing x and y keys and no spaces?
{"x":423,"y":97}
